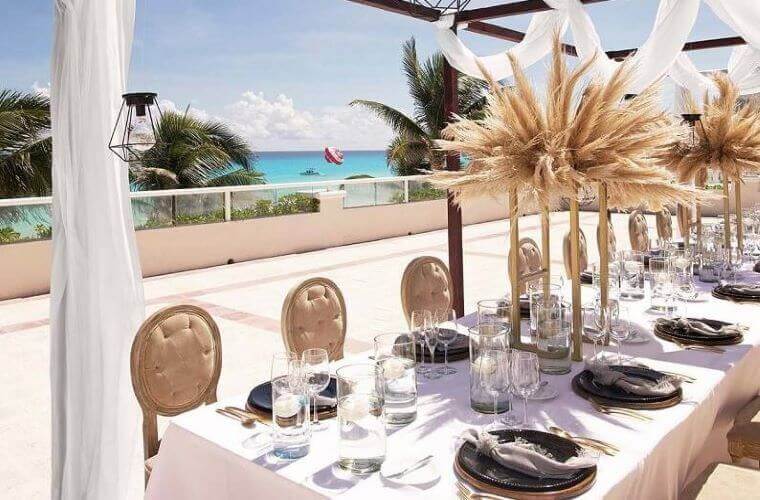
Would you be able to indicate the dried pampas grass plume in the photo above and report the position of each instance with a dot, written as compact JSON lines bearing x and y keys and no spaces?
{"x":558,"y":149}
{"x":727,"y":139}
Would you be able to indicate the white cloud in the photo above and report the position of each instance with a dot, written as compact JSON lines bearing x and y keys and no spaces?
{"x":41,"y":89}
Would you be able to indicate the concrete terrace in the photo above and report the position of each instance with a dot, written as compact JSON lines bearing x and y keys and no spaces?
{"x":245,"y":299}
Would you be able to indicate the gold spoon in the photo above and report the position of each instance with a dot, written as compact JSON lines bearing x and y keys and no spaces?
{"x":245,"y":421}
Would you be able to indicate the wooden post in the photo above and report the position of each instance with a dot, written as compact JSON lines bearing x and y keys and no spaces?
{"x":727,"y":216}
{"x":514,"y":275}
{"x":739,"y":216}
{"x":545,"y":249}
{"x":456,"y":261}
{"x":575,"y":276}
{"x":700,"y":182}
{"x":604,"y":247}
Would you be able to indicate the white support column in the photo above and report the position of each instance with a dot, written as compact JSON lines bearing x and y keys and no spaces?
{"x":227,"y":206}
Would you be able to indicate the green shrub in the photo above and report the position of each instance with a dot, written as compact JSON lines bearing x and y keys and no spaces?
{"x":9,"y":235}
{"x":425,"y":192}
{"x":43,"y":231}
{"x":294,"y":203}
{"x":204,"y":218}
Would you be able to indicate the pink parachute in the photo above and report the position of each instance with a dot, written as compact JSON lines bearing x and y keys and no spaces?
{"x":334,"y":155}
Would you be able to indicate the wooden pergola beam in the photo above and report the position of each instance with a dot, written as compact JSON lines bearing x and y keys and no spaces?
{"x":402,"y":7}
{"x":508,"y":9}
{"x":712,"y":43}
{"x":509,"y":34}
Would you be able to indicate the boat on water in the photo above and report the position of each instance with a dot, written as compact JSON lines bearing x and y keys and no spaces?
{"x":311,"y":171}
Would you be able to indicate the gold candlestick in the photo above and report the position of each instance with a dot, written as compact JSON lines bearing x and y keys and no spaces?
{"x":739,"y":214}
{"x":575,"y":276}
{"x":727,"y":217}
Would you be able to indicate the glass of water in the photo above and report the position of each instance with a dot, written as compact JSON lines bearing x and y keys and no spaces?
{"x":496,"y":312}
{"x":485,"y":338}
{"x":291,"y":433}
{"x":394,"y":355}
{"x":361,"y":441}
{"x":631,"y":275}
{"x":554,"y":324}
{"x":525,"y":377}
{"x":663,"y":288}
{"x":537,"y":295}
{"x":316,"y":372}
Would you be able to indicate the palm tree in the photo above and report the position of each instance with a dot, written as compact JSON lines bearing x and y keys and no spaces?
{"x":25,"y":144}
{"x":412,"y":148}
{"x":194,"y":153}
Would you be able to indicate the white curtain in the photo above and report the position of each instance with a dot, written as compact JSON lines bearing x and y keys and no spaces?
{"x":96,"y":301}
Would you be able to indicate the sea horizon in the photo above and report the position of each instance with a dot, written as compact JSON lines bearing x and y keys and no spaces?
{"x":281,"y":167}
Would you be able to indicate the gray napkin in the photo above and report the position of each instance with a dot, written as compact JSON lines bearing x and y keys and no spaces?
{"x":746,"y":290}
{"x":700,"y":327}
{"x":633,"y":385}
{"x":321,"y":400}
{"x":525,"y":457}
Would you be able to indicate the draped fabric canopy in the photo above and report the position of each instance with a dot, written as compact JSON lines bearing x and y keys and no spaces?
{"x":96,"y":298}
{"x":661,"y":54}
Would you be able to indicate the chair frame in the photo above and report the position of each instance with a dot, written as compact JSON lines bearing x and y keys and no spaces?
{"x":287,"y":306}
{"x":150,"y":408}
{"x":407,"y":276}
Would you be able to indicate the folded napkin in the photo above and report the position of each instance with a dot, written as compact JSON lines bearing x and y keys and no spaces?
{"x":687,"y":325}
{"x":321,"y":400}
{"x":746,"y":290}
{"x":526,"y":457}
{"x":634,"y":385}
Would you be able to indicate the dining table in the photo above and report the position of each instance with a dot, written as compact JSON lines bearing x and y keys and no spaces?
{"x":205,"y":455}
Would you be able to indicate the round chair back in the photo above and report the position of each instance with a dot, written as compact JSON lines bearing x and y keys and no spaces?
{"x":528,"y":260}
{"x":664,"y":224}
{"x":582,"y":252}
{"x":426,"y":284}
{"x":638,"y":232}
{"x":611,"y":241}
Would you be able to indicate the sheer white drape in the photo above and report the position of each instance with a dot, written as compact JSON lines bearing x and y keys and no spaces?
{"x":536,"y":44}
{"x":96,"y":301}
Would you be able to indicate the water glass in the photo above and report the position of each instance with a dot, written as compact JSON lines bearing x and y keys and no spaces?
{"x":496,"y":381}
{"x":315,"y":365}
{"x":536,"y":292}
{"x":603,"y":317}
{"x":663,"y":287}
{"x":497,"y":312}
{"x":446,"y":335}
{"x":421,"y":320}
{"x":483,"y":339}
{"x":620,"y":329}
{"x":524,"y":373}
{"x":554,"y":324}
{"x":291,"y":433}
{"x":613,"y":279}
{"x":394,"y":355}
{"x":361,"y":440}
{"x":631,"y":274}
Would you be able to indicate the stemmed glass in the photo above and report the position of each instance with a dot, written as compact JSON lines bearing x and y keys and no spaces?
{"x":430,"y":334}
{"x":620,"y":330}
{"x":496,"y":381}
{"x":421,"y":320}
{"x":446,"y":336}
{"x":523,"y":370}
{"x":315,"y":366}
{"x":603,"y":318}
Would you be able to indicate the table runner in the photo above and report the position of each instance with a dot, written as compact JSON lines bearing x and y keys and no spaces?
{"x":205,"y":455}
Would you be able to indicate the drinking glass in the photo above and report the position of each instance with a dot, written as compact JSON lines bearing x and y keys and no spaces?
{"x":537,"y":295}
{"x":613,"y":279}
{"x":604,"y":315}
{"x":525,"y":377}
{"x":554,"y":323}
{"x":431,"y":341}
{"x":290,"y":408}
{"x":421,"y":320}
{"x":446,"y":335}
{"x":662,"y":285}
{"x":496,"y":381}
{"x":316,"y":372}
{"x":361,"y":440}
{"x":484,"y":338}
{"x":497,"y":312}
{"x":620,"y":329}
{"x":394,"y":355}
{"x":631,"y":274}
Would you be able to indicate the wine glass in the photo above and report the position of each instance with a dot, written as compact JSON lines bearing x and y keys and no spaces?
{"x":496,"y":380}
{"x":604,"y":315}
{"x":523,"y":370}
{"x":421,"y":319}
{"x":446,"y":336}
{"x":620,"y":330}
{"x":430,"y":334}
{"x":315,"y":366}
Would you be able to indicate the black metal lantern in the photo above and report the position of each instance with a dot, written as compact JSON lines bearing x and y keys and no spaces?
{"x":692,"y":119}
{"x":442,"y":6}
{"x":135,"y":129}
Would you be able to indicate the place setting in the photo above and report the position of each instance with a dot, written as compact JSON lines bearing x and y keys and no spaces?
{"x":699,"y":333}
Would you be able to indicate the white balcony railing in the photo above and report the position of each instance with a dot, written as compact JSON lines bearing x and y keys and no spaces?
{"x":24,"y":219}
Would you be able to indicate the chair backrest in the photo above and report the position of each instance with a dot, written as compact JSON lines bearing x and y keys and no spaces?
{"x":528,"y":260}
{"x":582,"y":252}
{"x":611,"y":241}
{"x":683,"y":214}
{"x":175,"y":364}
{"x":426,"y":284}
{"x":314,"y":316}
{"x":638,"y":232}
{"x":664,"y":224}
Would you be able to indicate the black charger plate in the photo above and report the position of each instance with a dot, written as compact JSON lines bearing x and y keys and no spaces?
{"x":724,"y":293}
{"x":584,"y":385}
{"x":691,"y":336}
{"x":486,"y":474}
{"x":459,"y":349}
{"x":260,"y":399}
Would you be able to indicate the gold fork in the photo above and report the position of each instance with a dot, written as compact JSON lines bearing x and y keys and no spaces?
{"x":586,"y":442}
{"x":620,"y":411}
{"x":470,"y":494}
{"x":698,"y":347}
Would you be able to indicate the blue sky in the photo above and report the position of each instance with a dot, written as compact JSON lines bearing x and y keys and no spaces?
{"x":283,"y":71}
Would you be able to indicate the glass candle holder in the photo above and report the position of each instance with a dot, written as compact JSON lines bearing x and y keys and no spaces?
{"x":395,"y":358}
{"x":484,"y":340}
{"x":554,"y":324}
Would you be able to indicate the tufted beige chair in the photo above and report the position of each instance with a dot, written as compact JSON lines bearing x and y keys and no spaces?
{"x":611,"y":241}
{"x":684,"y":219}
{"x":744,"y":436}
{"x":638,"y":232}
{"x":314,"y":315}
{"x":175,"y":363}
{"x":426,"y":284}
{"x":528,"y":259}
{"x":664,"y":224}
{"x":582,"y":252}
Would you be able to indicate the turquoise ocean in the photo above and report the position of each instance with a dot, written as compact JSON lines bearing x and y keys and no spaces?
{"x":286,"y":166}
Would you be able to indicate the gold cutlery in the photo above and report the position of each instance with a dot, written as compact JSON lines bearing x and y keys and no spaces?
{"x":246,"y":414}
{"x":596,"y":444}
{"x":244,"y":421}
{"x":685,"y":378}
{"x":698,"y":347}
{"x":620,"y":411}
{"x":415,"y":466}
{"x":470,"y":494}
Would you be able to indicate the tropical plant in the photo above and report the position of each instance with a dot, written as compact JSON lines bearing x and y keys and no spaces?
{"x":413,"y":147}
{"x":25,"y":144}
{"x":9,"y":235}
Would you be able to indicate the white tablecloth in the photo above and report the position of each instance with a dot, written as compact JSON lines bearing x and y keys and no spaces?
{"x":205,"y":455}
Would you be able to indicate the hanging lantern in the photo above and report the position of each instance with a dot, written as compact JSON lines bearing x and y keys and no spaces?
{"x":692,"y":119}
{"x":135,"y":129}
{"x":442,"y":6}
